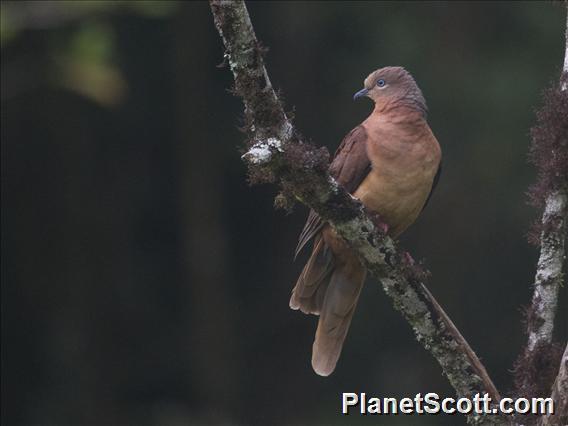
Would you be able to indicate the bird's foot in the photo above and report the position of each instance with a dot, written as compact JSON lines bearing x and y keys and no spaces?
{"x":408,"y":259}
{"x":381,"y":225}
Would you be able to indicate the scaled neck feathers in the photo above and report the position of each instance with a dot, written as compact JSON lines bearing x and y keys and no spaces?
{"x":411,"y":100}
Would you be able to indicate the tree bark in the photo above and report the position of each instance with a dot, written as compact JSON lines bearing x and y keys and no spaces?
{"x":559,"y":396}
{"x":536,"y":368}
{"x":549,"y":272}
{"x":549,"y":279}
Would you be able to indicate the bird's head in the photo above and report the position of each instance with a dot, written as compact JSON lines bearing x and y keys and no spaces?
{"x":392,"y":85}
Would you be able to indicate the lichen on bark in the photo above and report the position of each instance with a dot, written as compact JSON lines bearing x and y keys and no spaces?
{"x":537,"y":365}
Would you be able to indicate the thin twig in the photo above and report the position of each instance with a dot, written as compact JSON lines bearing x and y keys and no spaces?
{"x":480,"y":368}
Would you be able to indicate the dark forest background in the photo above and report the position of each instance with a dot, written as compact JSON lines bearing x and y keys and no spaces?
{"x":143,"y":280}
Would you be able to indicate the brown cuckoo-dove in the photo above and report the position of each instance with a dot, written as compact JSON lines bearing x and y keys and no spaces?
{"x":391,"y":162}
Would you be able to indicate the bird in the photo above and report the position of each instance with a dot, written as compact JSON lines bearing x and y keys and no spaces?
{"x":391,"y":162}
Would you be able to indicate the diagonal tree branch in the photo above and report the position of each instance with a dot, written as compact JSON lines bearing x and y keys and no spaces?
{"x":277,"y":152}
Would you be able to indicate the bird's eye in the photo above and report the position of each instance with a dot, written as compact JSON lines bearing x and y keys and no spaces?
{"x":381,"y":82}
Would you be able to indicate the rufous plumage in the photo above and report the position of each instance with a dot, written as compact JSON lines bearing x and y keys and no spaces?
{"x":391,"y":162}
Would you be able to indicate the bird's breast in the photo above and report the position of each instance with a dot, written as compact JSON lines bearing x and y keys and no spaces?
{"x":404,"y":163}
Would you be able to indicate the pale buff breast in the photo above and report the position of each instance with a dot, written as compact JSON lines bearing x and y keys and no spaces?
{"x":405,"y":159}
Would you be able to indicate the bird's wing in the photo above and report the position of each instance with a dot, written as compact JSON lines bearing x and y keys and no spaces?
{"x":349,"y":167}
{"x":434,"y":184}
{"x":351,"y":164}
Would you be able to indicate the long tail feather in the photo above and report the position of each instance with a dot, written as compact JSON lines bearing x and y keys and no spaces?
{"x":310,"y":289}
{"x":335,"y":316}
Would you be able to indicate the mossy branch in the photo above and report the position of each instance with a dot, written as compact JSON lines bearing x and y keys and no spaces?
{"x":537,"y":366}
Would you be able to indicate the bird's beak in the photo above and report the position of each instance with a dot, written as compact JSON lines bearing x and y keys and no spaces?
{"x":360,"y":94}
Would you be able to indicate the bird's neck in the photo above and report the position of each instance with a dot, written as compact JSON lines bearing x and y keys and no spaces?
{"x":398,"y":111}
{"x":411,"y":105}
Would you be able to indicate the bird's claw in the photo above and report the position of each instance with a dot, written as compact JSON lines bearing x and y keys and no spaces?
{"x":408,"y":259}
